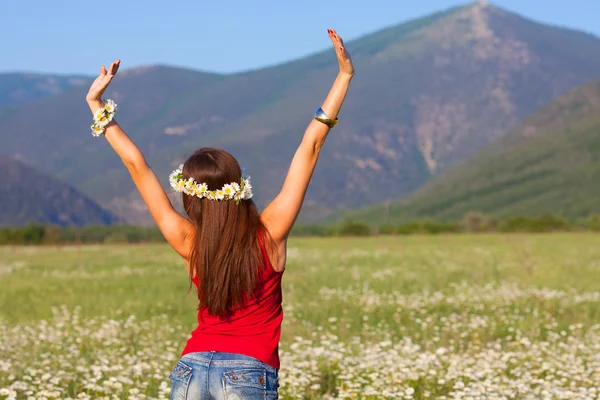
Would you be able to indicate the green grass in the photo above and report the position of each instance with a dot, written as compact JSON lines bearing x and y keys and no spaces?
{"x":355,"y":310}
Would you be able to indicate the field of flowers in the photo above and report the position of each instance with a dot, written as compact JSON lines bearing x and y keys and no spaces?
{"x":456,"y":317}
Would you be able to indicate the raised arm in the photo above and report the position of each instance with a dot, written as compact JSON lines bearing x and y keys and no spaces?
{"x":280,"y":215}
{"x":175,"y":228}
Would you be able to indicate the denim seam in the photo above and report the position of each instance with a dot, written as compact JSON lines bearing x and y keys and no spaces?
{"x":202,"y":360}
{"x":227,"y":363}
{"x":234,"y":363}
{"x":264,"y":375}
{"x":187,"y":385}
{"x":212,"y":354}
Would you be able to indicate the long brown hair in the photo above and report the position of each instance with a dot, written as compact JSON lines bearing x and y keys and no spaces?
{"x":226,"y":256}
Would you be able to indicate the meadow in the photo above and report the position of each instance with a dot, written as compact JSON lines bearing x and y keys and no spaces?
{"x":420,"y":317}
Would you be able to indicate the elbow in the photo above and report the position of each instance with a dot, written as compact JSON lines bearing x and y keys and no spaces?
{"x":135,"y":164}
{"x":314,"y":144}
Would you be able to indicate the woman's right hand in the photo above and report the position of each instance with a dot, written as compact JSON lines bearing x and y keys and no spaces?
{"x":101,"y":82}
{"x":346,"y":67}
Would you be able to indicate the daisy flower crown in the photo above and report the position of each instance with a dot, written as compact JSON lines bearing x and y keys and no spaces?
{"x":231,"y":191}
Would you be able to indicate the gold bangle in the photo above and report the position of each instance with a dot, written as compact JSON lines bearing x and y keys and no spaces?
{"x":322,"y":117}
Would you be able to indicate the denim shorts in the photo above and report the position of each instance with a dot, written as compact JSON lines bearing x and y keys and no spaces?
{"x":222,"y":376}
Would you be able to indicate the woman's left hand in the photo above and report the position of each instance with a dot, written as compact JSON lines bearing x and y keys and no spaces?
{"x":101,"y":83}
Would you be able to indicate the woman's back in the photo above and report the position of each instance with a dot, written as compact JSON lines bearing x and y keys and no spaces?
{"x":252,"y":329}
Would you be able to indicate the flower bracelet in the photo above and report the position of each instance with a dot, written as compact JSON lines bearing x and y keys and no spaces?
{"x":103,"y":116}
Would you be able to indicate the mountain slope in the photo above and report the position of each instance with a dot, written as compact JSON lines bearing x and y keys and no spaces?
{"x":550,"y":164}
{"x":29,"y":196}
{"x":20,"y":88}
{"x":426,"y":95}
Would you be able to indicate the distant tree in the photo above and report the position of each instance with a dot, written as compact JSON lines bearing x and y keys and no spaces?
{"x":543,"y":223}
{"x":387,"y":230}
{"x":476,"y":222}
{"x":593,"y":223}
{"x":353,"y":228}
{"x":309,"y":230}
{"x":426,"y":227}
{"x":34,"y":234}
{"x":410,"y":228}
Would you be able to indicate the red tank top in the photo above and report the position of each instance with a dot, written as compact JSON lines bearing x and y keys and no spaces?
{"x":252,"y":330}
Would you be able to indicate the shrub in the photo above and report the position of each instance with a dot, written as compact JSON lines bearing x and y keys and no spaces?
{"x":309,"y":230}
{"x":426,"y":227}
{"x":593,"y":223}
{"x":352,"y":228}
{"x":544,"y":223}
{"x":387,"y":230}
{"x":476,"y":222}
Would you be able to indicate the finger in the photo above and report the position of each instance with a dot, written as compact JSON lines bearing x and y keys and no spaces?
{"x":103,"y":70}
{"x":114,"y":67}
{"x":336,"y":40}
{"x":331,"y":34}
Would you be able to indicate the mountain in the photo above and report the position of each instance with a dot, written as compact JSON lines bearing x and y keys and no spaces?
{"x":427,"y":94}
{"x":20,"y":88}
{"x":549,"y":164}
{"x":29,"y":196}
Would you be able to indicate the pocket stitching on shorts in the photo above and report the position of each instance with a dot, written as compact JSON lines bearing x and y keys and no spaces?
{"x":180,"y":372}
{"x":240,"y":382}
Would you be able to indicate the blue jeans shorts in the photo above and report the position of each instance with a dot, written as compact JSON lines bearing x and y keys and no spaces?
{"x":222,"y":376}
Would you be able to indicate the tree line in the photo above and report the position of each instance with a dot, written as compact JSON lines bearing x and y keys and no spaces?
{"x":473,"y":222}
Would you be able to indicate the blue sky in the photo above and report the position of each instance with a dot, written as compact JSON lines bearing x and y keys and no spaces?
{"x":76,"y":36}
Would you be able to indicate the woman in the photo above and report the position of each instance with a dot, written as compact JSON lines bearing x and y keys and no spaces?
{"x":234,"y":255}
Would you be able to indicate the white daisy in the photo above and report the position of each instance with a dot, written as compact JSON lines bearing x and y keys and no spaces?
{"x":191,"y":184}
{"x":211,"y":195}
{"x":4,"y":392}
{"x":247,"y":192}
{"x":180,"y":185}
{"x":219,"y":195}
{"x":102,"y":122}
{"x":97,"y":130}
{"x":235,"y":186}
{"x":201,"y":190}
{"x":99,"y":114}
{"x":228,"y":191}
{"x":110,"y":106}
{"x":175,"y":176}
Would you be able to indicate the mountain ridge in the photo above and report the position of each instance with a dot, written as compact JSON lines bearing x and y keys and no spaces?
{"x":427,"y":94}
{"x":17,"y":88}
{"x":549,"y":164}
{"x":30,"y":196}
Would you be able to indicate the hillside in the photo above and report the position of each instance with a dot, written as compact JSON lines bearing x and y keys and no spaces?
{"x":29,"y":196}
{"x":20,"y":88}
{"x":427,"y":94}
{"x":550,"y":164}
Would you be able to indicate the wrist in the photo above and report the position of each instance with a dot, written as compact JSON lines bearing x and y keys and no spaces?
{"x":95,"y":104}
{"x":346,"y":75}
